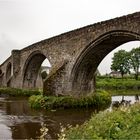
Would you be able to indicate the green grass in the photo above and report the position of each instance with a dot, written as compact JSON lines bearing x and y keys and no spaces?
{"x":18,"y":92}
{"x":100,"y":100}
{"x":123,"y":123}
{"x":118,"y":84}
{"x":123,"y":92}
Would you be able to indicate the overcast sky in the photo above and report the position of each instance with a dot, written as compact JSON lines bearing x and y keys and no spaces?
{"x":24,"y":22}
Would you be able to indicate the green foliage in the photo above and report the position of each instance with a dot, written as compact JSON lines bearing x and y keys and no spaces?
{"x":117,"y":84}
{"x":18,"y":92}
{"x":123,"y":123}
{"x":124,"y":62}
{"x":36,"y":101}
{"x":44,"y":75}
{"x":100,"y":100}
{"x":135,"y":61}
{"x":120,"y":62}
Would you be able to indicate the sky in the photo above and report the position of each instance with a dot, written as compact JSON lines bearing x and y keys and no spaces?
{"x":24,"y":22}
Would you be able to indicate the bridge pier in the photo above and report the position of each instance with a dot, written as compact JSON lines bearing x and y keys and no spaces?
{"x":60,"y":83}
{"x":74,"y":57}
{"x":16,"y":80}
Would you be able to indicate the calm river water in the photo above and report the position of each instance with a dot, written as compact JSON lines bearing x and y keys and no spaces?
{"x":19,"y":121}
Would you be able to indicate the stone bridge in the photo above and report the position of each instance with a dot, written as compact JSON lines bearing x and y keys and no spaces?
{"x":74,"y":57}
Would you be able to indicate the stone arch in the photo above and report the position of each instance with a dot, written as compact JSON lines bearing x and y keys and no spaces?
{"x":82,"y":74}
{"x":8,"y":74}
{"x":31,"y":69}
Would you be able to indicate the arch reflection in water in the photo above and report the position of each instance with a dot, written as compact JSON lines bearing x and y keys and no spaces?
{"x":21,"y":122}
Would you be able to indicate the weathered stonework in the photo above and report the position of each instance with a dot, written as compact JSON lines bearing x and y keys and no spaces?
{"x":74,"y":56}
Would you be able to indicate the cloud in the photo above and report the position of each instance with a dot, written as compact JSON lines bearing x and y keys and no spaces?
{"x":24,"y":22}
{"x":6,"y":45}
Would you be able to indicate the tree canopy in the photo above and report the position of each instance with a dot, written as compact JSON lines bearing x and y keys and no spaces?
{"x":135,"y":61}
{"x":124,"y":62}
{"x":120,"y":62}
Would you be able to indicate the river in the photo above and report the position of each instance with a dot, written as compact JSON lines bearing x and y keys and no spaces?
{"x":19,"y":121}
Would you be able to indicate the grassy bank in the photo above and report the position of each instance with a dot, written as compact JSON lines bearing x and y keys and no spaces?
{"x":117,"y":83}
{"x":123,"y":92}
{"x":100,"y":100}
{"x":123,"y":123}
{"x":18,"y":92}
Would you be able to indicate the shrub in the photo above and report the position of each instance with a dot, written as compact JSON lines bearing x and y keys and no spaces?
{"x":36,"y":101}
{"x":18,"y":92}
{"x":100,"y":100}
{"x":123,"y":123}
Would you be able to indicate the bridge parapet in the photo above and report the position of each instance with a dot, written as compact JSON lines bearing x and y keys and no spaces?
{"x":83,"y":49}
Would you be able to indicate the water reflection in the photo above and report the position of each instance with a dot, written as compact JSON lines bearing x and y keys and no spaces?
{"x":126,"y":101}
{"x":5,"y":131}
{"x":19,"y":121}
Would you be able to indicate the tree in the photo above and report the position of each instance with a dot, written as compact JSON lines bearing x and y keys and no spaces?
{"x":135,"y":61}
{"x":120,"y":62}
{"x":44,"y":74}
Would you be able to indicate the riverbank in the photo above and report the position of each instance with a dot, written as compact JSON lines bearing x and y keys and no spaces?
{"x":123,"y":123}
{"x":117,"y":86}
{"x":99,"y":100}
{"x":18,"y":92}
{"x":124,"y":92}
{"x":20,"y":122}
